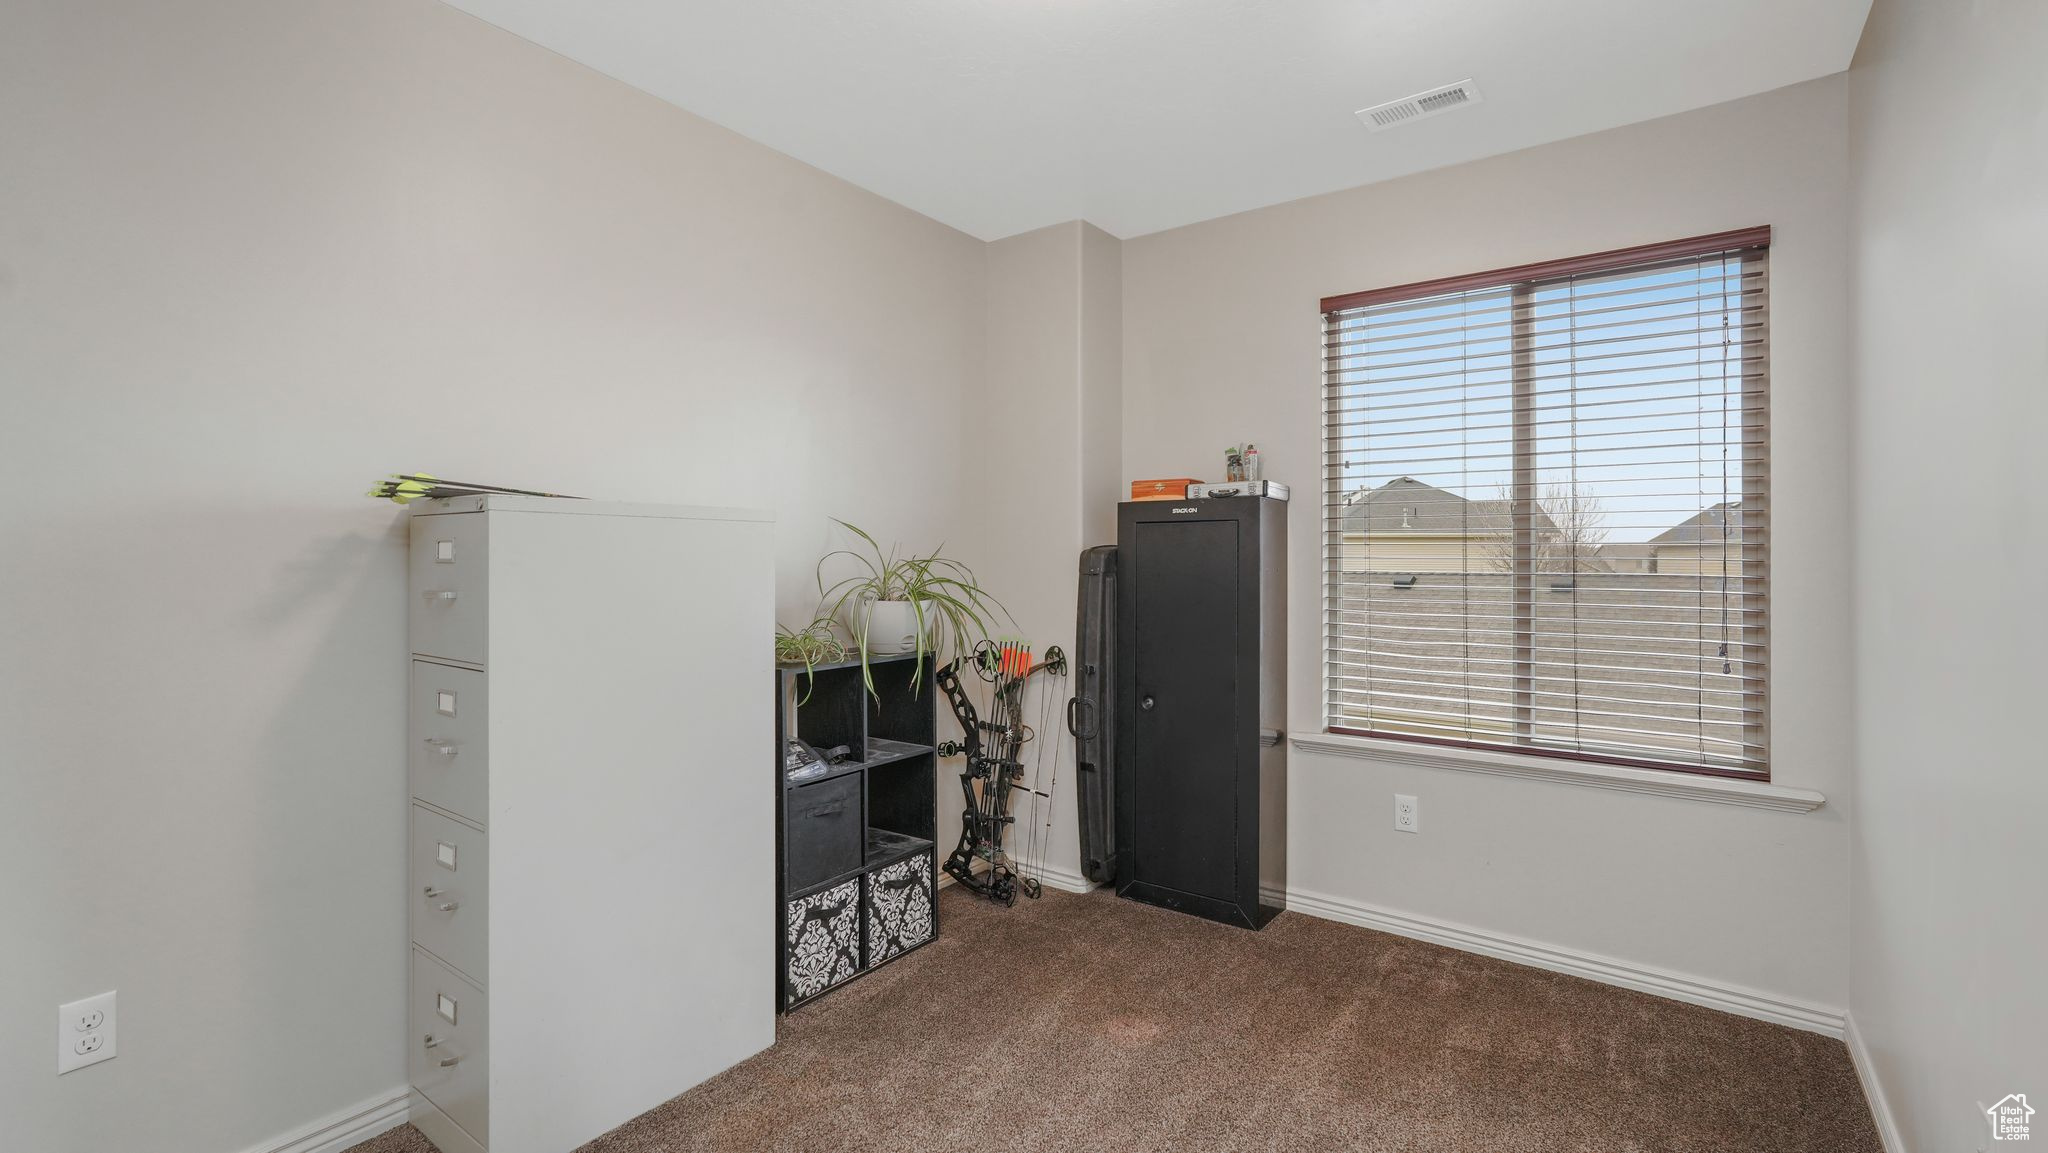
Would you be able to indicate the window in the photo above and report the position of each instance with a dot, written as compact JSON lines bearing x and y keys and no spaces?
{"x":1547,"y":506}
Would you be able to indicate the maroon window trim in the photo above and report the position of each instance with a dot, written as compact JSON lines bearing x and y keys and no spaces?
{"x":1759,"y":237}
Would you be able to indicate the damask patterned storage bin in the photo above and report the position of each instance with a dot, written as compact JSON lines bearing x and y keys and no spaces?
{"x":822,"y":938}
{"x":899,"y":907}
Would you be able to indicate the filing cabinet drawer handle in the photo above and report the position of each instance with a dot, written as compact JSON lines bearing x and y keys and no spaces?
{"x":432,"y":595}
{"x":446,"y":1062}
{"x":450,"y":906}
{"x":432,"y":892}
{"x":442,"y":745}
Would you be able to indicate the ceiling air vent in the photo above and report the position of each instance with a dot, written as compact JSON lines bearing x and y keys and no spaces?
{"x":1422,"y":105}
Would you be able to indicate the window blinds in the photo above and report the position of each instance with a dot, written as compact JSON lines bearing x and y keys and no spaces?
{"x":1546,"y":508}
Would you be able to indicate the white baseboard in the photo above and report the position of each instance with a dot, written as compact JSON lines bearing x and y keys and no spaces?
{"x":351,"y":1126}
{"x":1873,"y":1089}
{"x":1054,"y":879}
{"x":1607,"y":970}
{"x":1063,"y":880}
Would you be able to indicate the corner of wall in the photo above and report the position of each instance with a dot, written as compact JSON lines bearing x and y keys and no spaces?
{"x":1102,"y":383}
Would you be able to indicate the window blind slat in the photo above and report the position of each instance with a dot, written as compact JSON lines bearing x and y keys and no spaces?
{"x":1600,"y":406}
{"x":1588,"y":301}
{"x":1637,"y":379}
{"x":1588,"y":305}
{"x":1546,"y":514}
{"x":1375,"y":353}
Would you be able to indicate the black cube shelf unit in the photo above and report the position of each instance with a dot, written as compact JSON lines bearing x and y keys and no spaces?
{"x":856,"y":873}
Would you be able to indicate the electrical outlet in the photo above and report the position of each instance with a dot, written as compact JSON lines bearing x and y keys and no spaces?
{"x":1407,"y":814}
{"x":85,"y":1032}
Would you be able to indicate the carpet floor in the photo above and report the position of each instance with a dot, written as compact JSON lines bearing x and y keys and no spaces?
{"x":1090,"y":1023}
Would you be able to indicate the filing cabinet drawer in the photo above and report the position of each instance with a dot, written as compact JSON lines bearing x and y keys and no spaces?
{"x":447,"y":755}
{"x":448,"y":587}
{"x":448,"y":1045}
{"x":449,"y":891}
{"x":899,"y":908}
{"x":821,"y":941}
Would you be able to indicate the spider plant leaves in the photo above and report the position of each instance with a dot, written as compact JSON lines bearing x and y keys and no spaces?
{"x":813,"y":645}
{"x":946,"y":598}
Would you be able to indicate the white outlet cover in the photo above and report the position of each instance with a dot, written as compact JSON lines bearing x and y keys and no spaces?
{"x":1407,"y":814}
{"x":85,"y":1032}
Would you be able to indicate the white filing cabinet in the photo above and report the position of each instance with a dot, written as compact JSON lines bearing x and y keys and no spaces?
{"x":593,"y":849}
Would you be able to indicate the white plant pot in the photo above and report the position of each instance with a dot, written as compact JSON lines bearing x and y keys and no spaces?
{"x":890,"y":627}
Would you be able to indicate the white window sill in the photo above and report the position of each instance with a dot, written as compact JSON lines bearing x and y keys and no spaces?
{"x":1656,"y":782}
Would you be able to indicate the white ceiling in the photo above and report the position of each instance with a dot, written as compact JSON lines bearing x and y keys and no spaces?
{"x":1000,"y":116}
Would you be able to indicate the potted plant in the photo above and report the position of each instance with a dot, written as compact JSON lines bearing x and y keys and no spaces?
{"x":814,"y":645}
{"x":901,"y":604}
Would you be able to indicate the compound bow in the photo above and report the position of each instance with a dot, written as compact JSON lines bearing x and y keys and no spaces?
{"x":995,"y":768}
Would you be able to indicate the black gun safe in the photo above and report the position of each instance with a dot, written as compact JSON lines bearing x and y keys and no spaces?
{"x":1201,"y":702}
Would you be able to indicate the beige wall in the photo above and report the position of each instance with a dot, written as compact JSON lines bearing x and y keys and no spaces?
{"x":253,"y":255}
{"x":1949,"y":147}
{"x":1045,"y":424}
{"x":1102,"y":389}
{"x":1220,"y":346}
